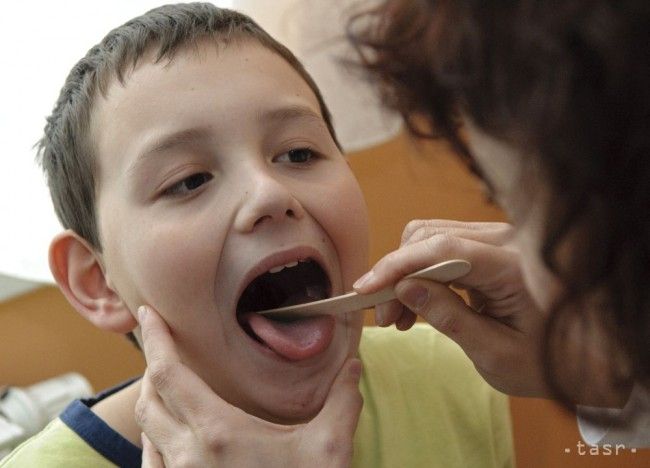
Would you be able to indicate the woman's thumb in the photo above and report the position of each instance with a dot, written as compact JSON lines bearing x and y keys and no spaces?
{"x":344,"y":401}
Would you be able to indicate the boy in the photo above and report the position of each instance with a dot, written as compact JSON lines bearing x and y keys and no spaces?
{"x":194,"y":164}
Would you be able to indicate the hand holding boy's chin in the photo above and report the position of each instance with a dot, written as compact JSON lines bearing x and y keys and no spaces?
{"x":185,"y":423}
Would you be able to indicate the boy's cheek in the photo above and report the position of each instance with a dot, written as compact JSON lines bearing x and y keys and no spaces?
{"x":351,"y":232}
{"x":168,"y":280}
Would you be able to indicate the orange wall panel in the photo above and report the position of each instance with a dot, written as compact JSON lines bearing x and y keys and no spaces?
{"x":42,"y":336}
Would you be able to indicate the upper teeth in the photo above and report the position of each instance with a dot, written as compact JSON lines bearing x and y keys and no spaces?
{"x":282,"y":267}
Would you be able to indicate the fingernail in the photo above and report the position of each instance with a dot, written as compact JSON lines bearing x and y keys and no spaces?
{"x":365,"y":279}
{"x":142,"y":313}
{"x":414,"y":297}
{"x":380,"y":319}
{"x":381,"y":315}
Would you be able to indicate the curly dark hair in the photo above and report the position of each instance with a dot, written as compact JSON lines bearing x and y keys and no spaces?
{"x":567,"y":83}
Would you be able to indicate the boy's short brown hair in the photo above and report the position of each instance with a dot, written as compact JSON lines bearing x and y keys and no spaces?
{"x":66,"y":152}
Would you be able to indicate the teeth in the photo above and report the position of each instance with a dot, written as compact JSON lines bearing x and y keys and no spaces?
{"x":279,"y":268}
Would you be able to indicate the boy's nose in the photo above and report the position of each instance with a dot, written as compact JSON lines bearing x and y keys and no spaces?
{"x":267,"y":201}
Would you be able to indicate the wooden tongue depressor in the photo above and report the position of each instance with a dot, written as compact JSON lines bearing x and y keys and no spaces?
{"x":441,"y":272}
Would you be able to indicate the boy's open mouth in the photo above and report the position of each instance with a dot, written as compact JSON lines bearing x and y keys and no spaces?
{"x":294,"y":283}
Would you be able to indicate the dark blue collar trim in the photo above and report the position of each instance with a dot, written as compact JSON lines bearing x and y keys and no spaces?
{"x":99,"y":435}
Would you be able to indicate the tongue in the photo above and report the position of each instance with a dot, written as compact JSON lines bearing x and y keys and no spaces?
{"x":296,"y":340}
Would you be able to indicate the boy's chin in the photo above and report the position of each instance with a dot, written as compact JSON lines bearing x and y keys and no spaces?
{"x":291,"y":415}
{"x":291,"y":406}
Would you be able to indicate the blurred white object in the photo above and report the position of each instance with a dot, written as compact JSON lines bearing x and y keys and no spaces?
{"x":314,"y":30}
{"x":25,"y":411}
{"x":11,"y":286}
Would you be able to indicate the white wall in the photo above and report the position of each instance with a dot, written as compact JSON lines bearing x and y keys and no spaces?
{"x":12,"y":287}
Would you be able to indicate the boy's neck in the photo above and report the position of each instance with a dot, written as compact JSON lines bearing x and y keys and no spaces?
{"x":118,"y":411}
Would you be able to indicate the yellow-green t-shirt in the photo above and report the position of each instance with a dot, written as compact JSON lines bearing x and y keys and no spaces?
{"x":424,"y":406}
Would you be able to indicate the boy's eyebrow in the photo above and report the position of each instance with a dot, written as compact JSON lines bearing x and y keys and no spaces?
{"x":171,"y":141}
{"x":292,"y":112}
{"x":192,"y":135}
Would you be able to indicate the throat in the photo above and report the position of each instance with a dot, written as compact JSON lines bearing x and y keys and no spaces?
{"x":293,"y":283}
{"x":305,"y":282}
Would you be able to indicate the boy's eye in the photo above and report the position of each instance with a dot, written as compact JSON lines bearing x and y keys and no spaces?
{"x":188,"y":184}
{"x":297,"y":156}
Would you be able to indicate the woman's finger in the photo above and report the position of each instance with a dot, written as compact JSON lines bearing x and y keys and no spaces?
{"x":399,"y":263}
{"x":483,"y":338}
{"x":151,"y":458}
{"x":184,"y":393}
{"x":470,"y":230}
{"x":387,"y":313}
{"x":493,"y":236}
{"x":394,"y":312}
{"x":153,"y":417}
{"x":490,"y":265}
{"x":343,"y":403}
{"x":406,"y":320}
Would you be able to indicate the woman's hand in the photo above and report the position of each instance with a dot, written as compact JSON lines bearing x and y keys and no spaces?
{"x":186,"y":424}
{"x":500,"y":330}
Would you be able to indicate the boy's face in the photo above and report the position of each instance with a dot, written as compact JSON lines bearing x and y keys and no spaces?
{"x":213,"y":171}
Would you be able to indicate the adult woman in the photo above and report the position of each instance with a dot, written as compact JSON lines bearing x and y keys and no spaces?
{"x":549,"y":104}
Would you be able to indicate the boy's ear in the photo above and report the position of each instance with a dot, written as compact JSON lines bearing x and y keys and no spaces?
{"x":78,"y":272}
